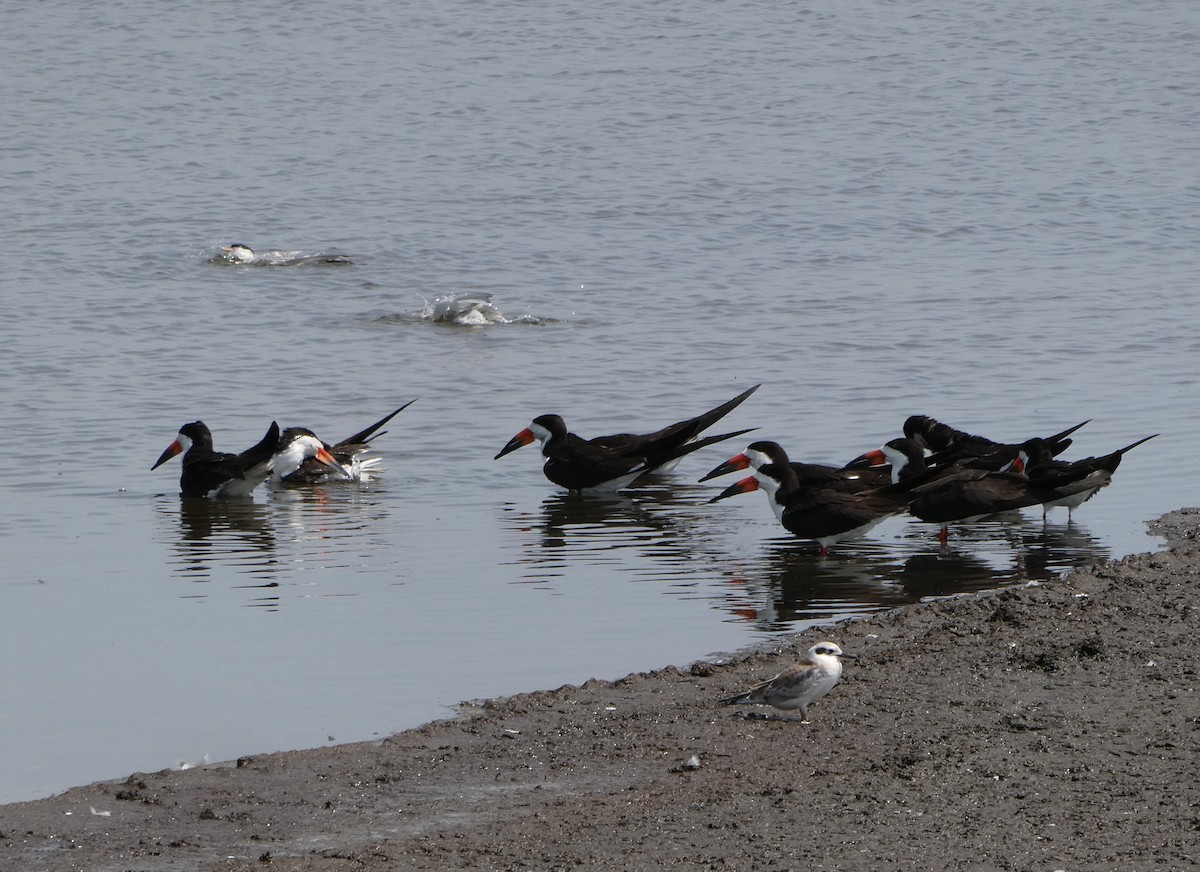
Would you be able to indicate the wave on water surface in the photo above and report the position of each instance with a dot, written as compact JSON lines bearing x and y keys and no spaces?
{"x":465,"y":310}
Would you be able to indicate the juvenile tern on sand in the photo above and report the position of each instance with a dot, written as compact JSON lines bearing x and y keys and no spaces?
{"x":800,"y":686}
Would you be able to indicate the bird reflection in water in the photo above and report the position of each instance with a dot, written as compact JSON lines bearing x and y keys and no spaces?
{"x":792,"y":584}
{"x":1047,"y":550}
{"x":235,"y":533}
{"x":652,"y":522}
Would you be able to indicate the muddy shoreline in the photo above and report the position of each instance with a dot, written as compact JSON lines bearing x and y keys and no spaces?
{"x":1047,"y":727}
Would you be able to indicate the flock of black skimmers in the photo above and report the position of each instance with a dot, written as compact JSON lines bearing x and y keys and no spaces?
{"x":933,"y":472}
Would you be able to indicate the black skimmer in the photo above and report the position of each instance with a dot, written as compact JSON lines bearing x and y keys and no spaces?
{"x":824,"y":514}
{"x":208,"y":473}
{"x":244,"y":254}
{"x":297,"y":447}
{"x":760,"y":453}
{"x":613,"y":462}
{"x":801,"y":685}
{"x":295,"y":465}
{"x":956,"y":492}
{"x":1073,"y":481}
{"x":949,"y":445}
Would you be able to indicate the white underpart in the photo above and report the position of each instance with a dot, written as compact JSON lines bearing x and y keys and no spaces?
{"x":856,"y":533}
{"x":770,"y":487}
{"x":290,"y":458}
{"x":830,"y":664}
{"x":244,"y":487}
{"x":616,"y":484}
{"x":669,"y":466}
{"x":898,"y":461}
{"x":1084,"y":490}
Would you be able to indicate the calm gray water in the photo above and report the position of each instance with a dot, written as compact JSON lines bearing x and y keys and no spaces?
{"x":984,"y":212}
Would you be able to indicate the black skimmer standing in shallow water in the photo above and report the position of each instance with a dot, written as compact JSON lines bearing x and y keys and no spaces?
{"x":208,"y":473}
{"x":760,"y":453}
{"x":800,"y":686}
{"x":955,"y":493}
{"x":949,"y":445}
{"x":1072,"y":481}
{"x":824,"y":514}
{"x":613,"y":462}
{"x":294,"y":464}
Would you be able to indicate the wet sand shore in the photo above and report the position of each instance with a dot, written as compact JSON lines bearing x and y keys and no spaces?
{"x":1048,"y":727}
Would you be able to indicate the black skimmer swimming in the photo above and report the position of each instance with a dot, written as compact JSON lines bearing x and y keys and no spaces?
{"x":613,"y":462}
{"x":801,"y":685}
{"x":302,"y":458}
{"x":760,"y":453}
{"x":297,"y":466}
{"x":956,"y":492}
{"x":949,"y":445}
{"x":244,"y":254}
{"x":208,"y":473}
{"x":824,"y":514}
{"x":1072,"y":481}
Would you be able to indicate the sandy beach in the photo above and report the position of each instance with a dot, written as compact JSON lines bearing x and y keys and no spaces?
{"x":1048,"y":727}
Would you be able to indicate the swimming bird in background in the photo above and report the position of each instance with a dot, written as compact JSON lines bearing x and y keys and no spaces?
{"x":613,"y":462}
{"x":469,"y":310}
{"x":297,"y":467}
{"x":244,"y":254}
{"x":1073,"y":482}
{"x":801,"y":685}
{"x":950,"y":445}
{"x":209,"y":473}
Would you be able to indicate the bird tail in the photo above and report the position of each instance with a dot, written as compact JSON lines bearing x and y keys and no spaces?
{"x":263,"y":451}
{"x":664,"y":457}
{"x":363,"y":436}
{"x":1059,"y":442}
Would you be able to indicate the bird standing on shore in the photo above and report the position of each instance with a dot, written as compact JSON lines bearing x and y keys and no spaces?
{"x":800,"y":686}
